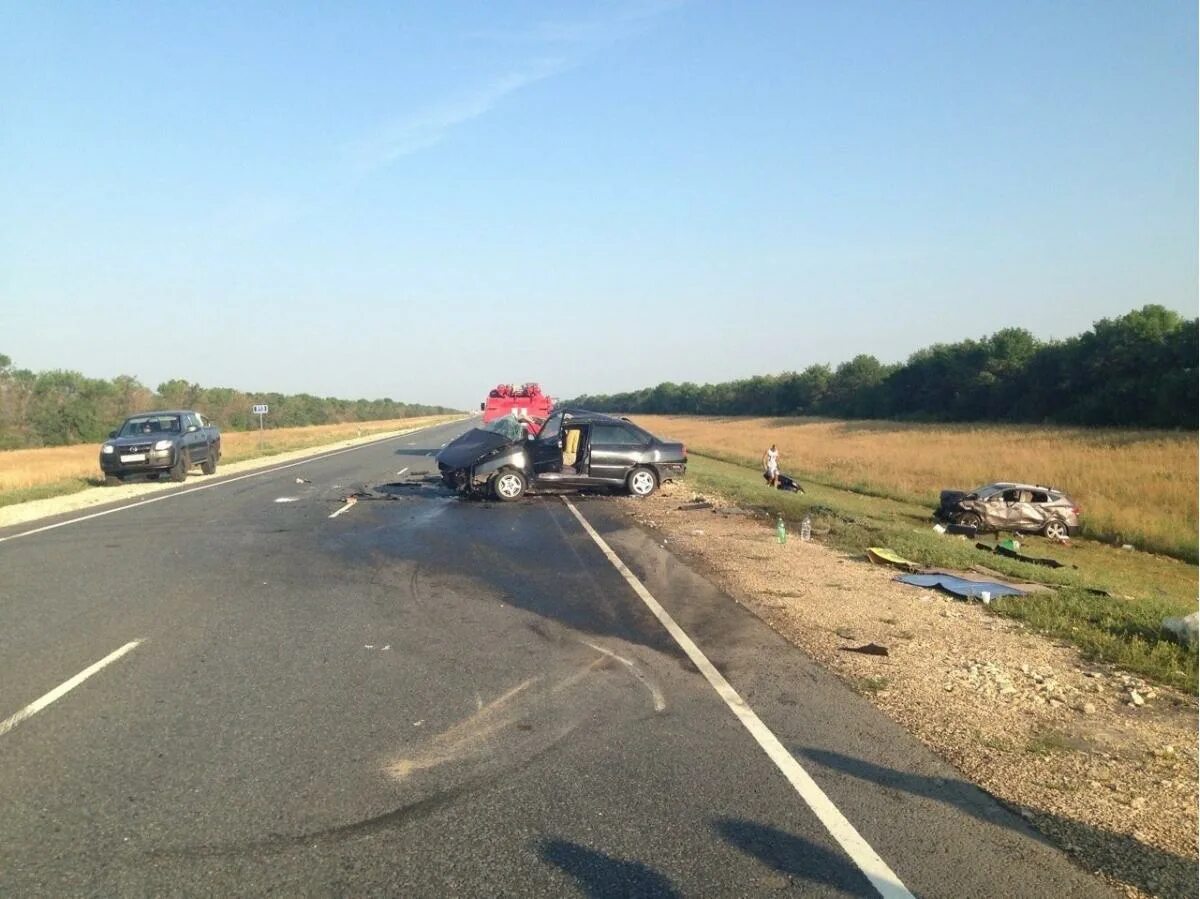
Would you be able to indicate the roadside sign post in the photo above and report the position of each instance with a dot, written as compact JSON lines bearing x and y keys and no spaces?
{"x":260,"y":409}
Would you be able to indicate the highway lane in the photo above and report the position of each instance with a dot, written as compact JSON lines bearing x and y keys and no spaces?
{"x":425,"y":696}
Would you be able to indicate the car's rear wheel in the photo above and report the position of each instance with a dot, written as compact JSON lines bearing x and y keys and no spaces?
{"x":209,"y":465}
{"x":179,"y":471}
{"x":968,"y":520}
{"x":641,"y":482}
{"x":1056,"y":530}
{"x":508,"y":485}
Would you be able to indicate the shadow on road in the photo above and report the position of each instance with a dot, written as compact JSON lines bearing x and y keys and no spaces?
{"x":794,"y":856}
{"x":1116,"y":855}
{"x":601,"y":875}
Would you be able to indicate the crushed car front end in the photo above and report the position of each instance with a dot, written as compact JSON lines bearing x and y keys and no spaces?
{"x":468,"y":463}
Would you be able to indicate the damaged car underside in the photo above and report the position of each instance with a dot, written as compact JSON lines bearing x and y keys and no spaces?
{"x":573,"y":450}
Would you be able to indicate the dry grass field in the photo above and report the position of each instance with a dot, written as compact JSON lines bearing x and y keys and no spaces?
{"x":1137,"y":487}
{"x":34,"y":473}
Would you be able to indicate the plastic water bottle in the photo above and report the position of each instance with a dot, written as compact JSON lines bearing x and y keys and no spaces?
{"x":781,"y":530}
{"x":806,"y":529}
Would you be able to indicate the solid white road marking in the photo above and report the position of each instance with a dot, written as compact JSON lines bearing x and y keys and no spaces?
{"x":287,"y":499}
{"x":867,"y":859}
{"x":175,"y":493}
{"x":63,"y":689}
{"x":401,"y":471}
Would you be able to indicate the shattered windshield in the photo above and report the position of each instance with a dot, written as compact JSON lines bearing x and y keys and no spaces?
{"x":508,"y":426}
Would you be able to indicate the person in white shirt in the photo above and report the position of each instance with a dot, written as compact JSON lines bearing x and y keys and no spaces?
{"x":771,"y":465}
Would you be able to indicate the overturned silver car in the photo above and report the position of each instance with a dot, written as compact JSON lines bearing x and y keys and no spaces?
{"x":574,"y":449}
{"x":1025,"y":508}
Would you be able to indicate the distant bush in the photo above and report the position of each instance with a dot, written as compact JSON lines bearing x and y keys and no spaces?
{"x":1138,"y":370}
{"x":58,"y":408}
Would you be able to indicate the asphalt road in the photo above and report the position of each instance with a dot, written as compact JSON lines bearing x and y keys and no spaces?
{"x":428,"y":696}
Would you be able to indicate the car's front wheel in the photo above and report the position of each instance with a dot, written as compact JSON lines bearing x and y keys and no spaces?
{"x":508,"y":485}
{"x":641,"y":482}
{"x":112,"y":480}
{"x":1056,"y":530}
{"x":179,"y":471}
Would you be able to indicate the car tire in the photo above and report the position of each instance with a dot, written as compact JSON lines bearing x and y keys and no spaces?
{"x":968,"y":520}
{"x":179,"y":471}
{"x":112,"y":480}
{"x":508,"y":485}
{"x":209,"y":465}
{"x":1056,"y":530}
{"x":641,"y":482}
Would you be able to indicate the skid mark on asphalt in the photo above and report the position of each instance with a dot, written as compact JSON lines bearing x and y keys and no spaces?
{"x":558,"y":705}
{"x":466,"y":736}
{"x":660,"y":703}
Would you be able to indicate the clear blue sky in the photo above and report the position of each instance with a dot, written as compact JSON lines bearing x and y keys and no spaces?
{"x":419,"y":200}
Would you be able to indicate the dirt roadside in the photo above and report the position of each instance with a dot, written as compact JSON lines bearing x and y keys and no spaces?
{"x":1057,"y":738}
{"x":20,"y":513}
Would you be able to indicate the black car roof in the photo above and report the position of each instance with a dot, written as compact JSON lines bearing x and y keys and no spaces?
{"x":587,"y":415}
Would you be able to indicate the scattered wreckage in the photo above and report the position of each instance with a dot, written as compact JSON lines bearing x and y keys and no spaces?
{"x":1024,"y":508}
{"x":573,"y":449}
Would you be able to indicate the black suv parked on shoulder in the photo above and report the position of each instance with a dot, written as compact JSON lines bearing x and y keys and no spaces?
{"x":155,"y":443}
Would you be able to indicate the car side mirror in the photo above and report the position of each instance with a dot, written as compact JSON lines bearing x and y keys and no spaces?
{"x":482,"y":406}
{"x":112,"y":434}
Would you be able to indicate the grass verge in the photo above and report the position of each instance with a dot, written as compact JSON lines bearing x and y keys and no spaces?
{"x":1123,"y":628}
{"x":1135,"y":486}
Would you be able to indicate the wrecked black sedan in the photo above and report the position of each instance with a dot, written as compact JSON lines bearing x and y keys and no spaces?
{"x":1023,"y":508}
{"x":574,"y":449}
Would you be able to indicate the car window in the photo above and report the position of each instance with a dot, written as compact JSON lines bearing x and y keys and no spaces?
{"x":1012,"y":496}
{"x":1039,"y":497}
{"x":150,"y":424}
{"x":551,"y":427}
{"x":613,"y":435}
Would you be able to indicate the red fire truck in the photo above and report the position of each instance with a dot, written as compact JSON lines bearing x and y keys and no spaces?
{"x":522,"y":400}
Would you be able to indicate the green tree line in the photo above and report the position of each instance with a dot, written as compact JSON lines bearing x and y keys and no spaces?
{"x":55,"y":408}
{"x":1138,"y":370}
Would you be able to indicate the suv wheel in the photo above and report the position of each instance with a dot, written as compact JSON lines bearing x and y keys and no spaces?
{"x":209,"y":465}
{"x":508,"y":485}
{"x":112,"y":480}
{"x":179,"y":471}
{"x":969,"y":520}
{"x":641,"y":482}
{"x":1056,"y":530}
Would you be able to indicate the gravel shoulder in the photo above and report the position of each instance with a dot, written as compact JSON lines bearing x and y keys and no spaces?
{"x":1062,"y":740}
{"x":20,"y":513}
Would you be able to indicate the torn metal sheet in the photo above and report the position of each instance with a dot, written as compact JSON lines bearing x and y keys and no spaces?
{"x":960,"y":587}
{"x":870,"y":649}
{"x":1008,"y":553}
